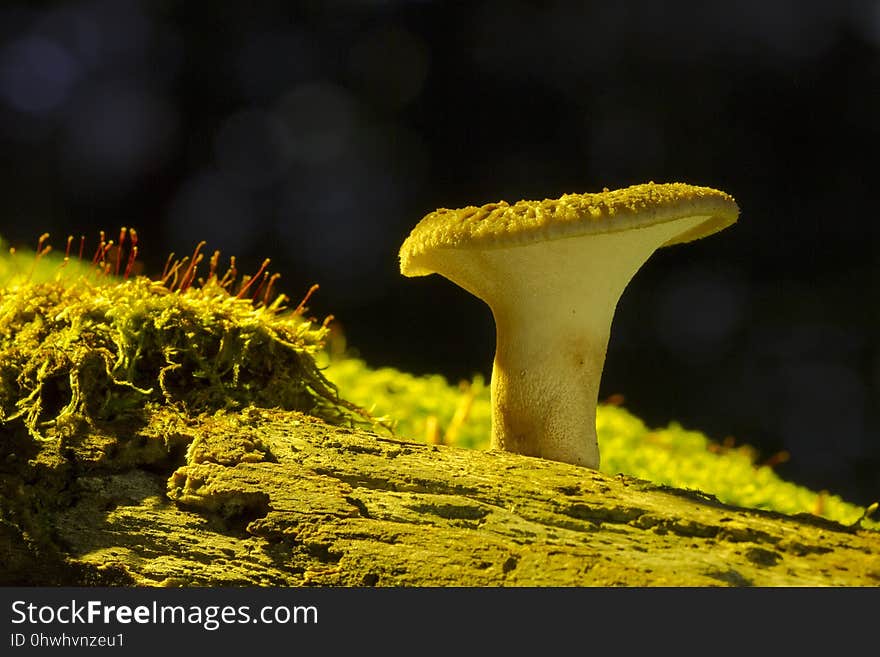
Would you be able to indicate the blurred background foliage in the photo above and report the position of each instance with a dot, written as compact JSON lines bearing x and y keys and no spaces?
{"x":319,"y":133}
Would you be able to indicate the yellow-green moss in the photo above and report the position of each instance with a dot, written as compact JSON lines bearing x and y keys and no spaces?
{"x":26,"y":267}
{"x":94,"y":348}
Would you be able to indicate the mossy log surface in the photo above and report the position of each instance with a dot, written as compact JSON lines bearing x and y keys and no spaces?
{"x":279,"y":498}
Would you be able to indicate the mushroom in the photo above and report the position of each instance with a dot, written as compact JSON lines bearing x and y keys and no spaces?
{"x":552,"y":272}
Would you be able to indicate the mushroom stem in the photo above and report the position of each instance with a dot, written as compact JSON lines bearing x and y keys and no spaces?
{"x":545,"y":384}
{"x":552,"y":329}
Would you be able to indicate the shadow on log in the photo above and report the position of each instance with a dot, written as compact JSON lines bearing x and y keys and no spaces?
{"x":279,"y":498}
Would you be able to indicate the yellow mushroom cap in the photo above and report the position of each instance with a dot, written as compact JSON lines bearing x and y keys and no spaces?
{"x":499,"y":225}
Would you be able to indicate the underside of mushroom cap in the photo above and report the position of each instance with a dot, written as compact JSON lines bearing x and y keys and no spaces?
{"x":499,"y":225}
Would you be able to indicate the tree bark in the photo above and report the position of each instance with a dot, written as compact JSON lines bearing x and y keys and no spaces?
{"x":279,"y":498}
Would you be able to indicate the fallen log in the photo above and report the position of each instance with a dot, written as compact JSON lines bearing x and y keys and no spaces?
{"x":279,"y":498}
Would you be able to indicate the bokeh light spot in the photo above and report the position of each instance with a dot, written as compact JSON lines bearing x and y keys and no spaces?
{"x":320,"y":119}
{"x":36,"y":74}
{"x":210,"y":206}
{"x":115,"y":132}
{"x":697,"y":311}
{"x":389,"y":66}
{"x":251,"y":146}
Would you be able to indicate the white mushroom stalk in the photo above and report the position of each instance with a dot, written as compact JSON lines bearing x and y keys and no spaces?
{"x":552,"y":273}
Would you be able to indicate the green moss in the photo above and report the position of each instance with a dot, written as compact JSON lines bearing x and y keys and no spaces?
{"x":88,"y":348}
{"x":26,"y":267}
{"x":422,"y":407}
{"x":672,"y":455}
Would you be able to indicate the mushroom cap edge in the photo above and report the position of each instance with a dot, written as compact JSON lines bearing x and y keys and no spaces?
{"x":500,"y":225}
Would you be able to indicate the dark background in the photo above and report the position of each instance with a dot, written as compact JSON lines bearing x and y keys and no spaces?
{"x":319,"y":133}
